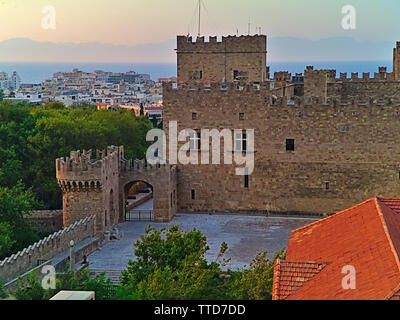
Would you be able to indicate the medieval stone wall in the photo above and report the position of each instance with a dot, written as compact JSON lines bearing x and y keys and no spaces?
{"x":46,"y":221}
{"x":220,"y":61}
{"x":46,"y":249}
{"x":344,"y":153}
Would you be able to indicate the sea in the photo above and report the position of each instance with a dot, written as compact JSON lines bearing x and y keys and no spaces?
{"x":37,"y":72}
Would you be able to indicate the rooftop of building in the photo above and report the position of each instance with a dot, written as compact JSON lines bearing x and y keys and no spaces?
{"x":366,"y":236}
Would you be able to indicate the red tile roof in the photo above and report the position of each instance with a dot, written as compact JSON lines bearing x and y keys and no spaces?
{"x":366,"y":236}
{"x":293,"y":275}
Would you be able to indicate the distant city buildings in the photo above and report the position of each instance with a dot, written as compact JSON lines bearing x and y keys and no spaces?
{"x":9,"y":83}
{"x":106,"y":90}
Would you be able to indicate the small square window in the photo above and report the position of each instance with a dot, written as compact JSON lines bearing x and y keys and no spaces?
{"x":241,"y":116}
{"x":289,"y":144}
{"x":194,"y":116}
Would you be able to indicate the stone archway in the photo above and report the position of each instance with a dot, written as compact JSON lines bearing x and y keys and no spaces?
{"x":139,"y":200}
{"x":162,"y":180}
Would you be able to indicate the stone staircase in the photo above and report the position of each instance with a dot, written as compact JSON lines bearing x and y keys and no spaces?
{"x":113,"y":275}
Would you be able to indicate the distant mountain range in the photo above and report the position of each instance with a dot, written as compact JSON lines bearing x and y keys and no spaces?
{"x":279,"y":49}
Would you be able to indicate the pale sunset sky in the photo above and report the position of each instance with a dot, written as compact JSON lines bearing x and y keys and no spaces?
{"x":131,"y":22}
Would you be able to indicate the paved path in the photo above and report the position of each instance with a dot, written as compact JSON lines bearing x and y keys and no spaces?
{"x":245,"y":236}
{"x":148,"y":205}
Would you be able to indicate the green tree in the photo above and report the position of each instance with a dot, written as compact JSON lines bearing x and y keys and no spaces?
{"x":16,"y":125}
{"x":6,"y":243}
{"x":256,"y":282}
{"x":171,"y":265}
{"x":30,"y":289}
{"x":1,"y":94}
{"x":82,"y":280}
{"x":54,"y":105}
{"x":15,"y":204}
{"x":59,"y":131}
{"x":3,"y":293}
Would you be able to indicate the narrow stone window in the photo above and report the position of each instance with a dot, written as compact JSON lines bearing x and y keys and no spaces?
{"x":289,"y":144}
{"x":194,"y":116}
{"x":235,"y":75}
{"x":193,"y":194}
{"x":326,"y":185}
{"x":195,"y":141}
{"x":241,"y":141}
{"x":241,"y":116}
{"x":246,"y":181}
{"x":201,"y":74}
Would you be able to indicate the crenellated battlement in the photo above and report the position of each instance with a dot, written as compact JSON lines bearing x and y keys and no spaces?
{"x":84,"y":161}
{"x":382,"y":75}
{"x":46,"y":249}
{"x":243,"y":43}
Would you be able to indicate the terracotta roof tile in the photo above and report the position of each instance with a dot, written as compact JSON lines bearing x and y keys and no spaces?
{"x":366,"y":236}
{"x":292,"y":275}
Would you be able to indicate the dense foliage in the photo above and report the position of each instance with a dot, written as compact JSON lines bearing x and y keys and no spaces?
{"x":15,"y":230}
{"x":31,"y":288}
{"x":3,"y":293}
{"x":32,"y":137}
{"x":171,"y":265}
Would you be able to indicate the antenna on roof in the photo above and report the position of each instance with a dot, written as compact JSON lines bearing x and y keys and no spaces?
{"x":199,"y":19}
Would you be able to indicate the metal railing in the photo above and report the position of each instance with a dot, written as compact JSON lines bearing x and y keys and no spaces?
{"x":139,"y":215}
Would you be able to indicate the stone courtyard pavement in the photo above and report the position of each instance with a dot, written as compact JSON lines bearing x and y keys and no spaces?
{"x":245,"y":236}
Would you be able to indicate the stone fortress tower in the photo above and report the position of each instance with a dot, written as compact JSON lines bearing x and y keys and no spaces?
{"x":322,"y":143}
{"x":99,"y":185}
{"x":225,"y":59}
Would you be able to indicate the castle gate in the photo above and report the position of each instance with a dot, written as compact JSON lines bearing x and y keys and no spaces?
{"x":99,"y":185}
{"x":162,"y":181}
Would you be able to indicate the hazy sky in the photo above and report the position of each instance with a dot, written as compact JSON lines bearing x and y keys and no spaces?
{"x":141,"y":21}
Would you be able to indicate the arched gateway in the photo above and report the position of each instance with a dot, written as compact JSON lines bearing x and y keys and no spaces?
{"x":97,"y":185}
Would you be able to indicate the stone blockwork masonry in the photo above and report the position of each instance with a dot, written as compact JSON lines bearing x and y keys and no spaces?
{"x":46,"y":221}
{"x":46,"y":249}
{"x":224,"y":59}
{"x":100,"y":185}
{"x":343,"y":153}
{"x":322,"y":142}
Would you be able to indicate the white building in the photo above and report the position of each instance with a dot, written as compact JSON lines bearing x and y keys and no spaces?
{"x":15,"y":81}
{"x":4,"y":81}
